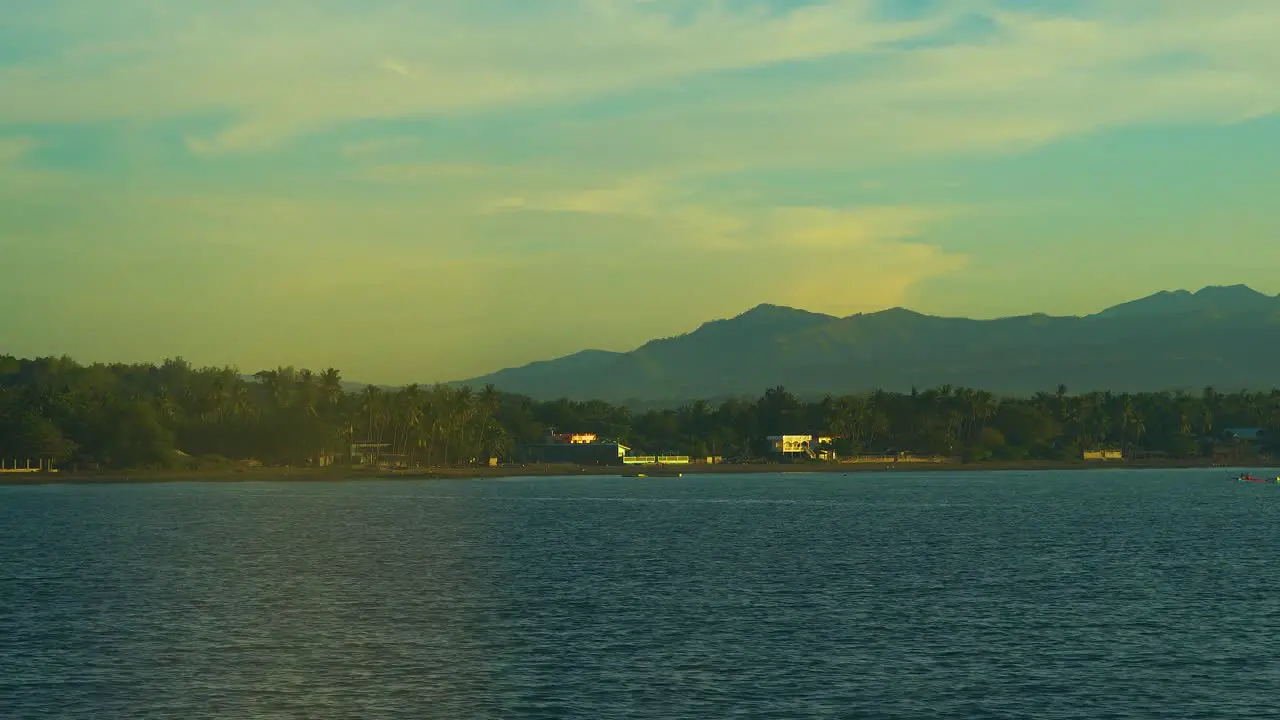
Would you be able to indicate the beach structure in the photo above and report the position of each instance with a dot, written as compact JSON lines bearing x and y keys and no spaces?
{"x":580,"y":448}
{"x":802,"y":446}
{"x":15,"y":466}
{"x":657,"y":460}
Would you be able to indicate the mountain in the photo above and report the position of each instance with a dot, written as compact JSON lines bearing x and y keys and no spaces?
{"x":1228,"y":337}
{"x":546,"y":373}
{"x":1231,"y":299}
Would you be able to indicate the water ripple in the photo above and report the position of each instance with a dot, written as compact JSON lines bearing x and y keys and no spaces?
{"x":1075,"y":595}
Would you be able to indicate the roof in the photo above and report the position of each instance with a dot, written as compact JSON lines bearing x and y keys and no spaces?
{"x":596,"y":444}
{"x":1245,"y":433}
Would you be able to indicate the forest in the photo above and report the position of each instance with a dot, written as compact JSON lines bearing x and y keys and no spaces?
{"x":171,"y":415}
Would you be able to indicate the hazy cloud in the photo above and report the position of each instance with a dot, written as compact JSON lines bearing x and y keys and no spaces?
{"x":291,"y":66}
{"x":269,"y":261}
{"x":19,"y":177}
{"x":379,"y":146}
{"x":13,"y":149}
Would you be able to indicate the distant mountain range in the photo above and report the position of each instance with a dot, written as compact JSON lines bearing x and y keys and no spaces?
{"x":1228,"y":337}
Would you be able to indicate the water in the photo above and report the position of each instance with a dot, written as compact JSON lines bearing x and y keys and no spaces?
{"x":1052,"y":595}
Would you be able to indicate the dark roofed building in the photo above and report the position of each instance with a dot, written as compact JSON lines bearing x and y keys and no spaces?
{"x":1249,"y":435}
{"x":1236,"y":444}
{"x":575,"y":448}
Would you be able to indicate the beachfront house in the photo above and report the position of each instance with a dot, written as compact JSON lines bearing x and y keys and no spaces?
{"x":575,"y":449}
{"x":1248,"y":436}
{"x":802,"y":446}
{"x":1239,"y":443}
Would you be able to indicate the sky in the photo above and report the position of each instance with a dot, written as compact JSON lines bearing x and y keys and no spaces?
{"x":428,"y":190}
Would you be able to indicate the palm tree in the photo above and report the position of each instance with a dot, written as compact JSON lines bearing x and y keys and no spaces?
{"x":372,"y":413}
{"x":406,"y":419}
{"x":307,"y":393}
{"x":271,"y":382}
{"x":331,"y":392}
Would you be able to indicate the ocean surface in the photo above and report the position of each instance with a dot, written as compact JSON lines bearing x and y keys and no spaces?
{"x":1117,"y":594}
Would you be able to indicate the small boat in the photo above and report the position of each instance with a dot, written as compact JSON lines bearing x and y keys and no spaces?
{"x":1251,"y":478}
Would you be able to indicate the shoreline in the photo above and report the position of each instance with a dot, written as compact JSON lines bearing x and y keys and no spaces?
{"x":487,"y":473}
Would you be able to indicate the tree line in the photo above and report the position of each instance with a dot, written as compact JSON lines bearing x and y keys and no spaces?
{"x":140,"y":416}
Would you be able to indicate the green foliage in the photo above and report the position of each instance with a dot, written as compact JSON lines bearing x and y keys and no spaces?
{"x":174,"y":415}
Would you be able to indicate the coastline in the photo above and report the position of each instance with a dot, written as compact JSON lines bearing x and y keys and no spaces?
{"x":483,"y":473}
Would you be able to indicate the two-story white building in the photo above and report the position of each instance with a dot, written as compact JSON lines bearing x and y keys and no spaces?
{"x":813,"y":446}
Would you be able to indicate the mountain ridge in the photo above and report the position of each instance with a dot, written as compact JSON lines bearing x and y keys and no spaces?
{"x":1219,"y":335}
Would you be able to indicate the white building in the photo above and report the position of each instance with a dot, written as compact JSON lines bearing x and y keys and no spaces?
{"x":790,"y":444}
{"x":814,"y":446}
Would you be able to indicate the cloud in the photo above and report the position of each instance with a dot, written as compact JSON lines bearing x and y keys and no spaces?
{"x":881,"y":84}
{"x":420,"y":173}
{"x":1035,"y":80}
{"x":824,"y":229}
{"x":257,"y":135}
{"x":20,"y":176}
{"x":266,"y":280}
{"x":13,"y":149}
{"x":393,"y":66}
{"x":631,"y":196}
{"x":842,"y":261}
{"x":839,"y":260}
{"x":290,"y":66}
{"x":379,"y":146}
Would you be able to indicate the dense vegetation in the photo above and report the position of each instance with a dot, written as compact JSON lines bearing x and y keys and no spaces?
{"x":146,"y":416}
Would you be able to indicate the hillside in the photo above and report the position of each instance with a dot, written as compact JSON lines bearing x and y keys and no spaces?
{"x":1228,"y":337}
